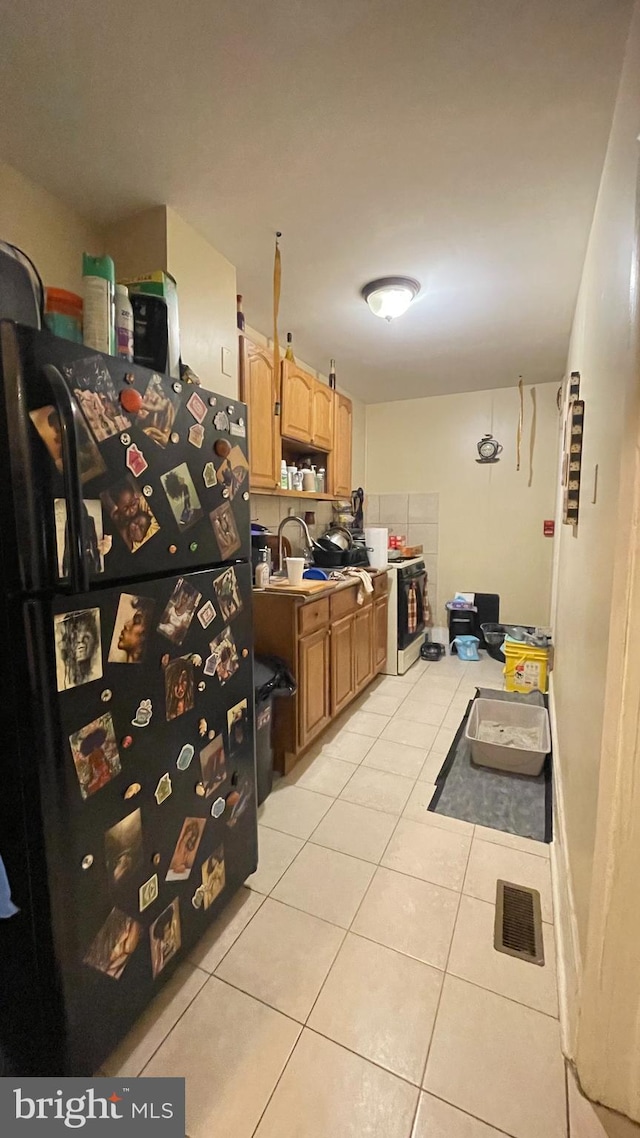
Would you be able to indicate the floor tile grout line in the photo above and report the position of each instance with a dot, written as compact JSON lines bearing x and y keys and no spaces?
{"x":468,"y":1114}
{"x":446,"y":965}
{"x":492,"y":991}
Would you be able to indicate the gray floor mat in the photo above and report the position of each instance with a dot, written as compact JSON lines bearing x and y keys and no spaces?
{"x":516,"y":804}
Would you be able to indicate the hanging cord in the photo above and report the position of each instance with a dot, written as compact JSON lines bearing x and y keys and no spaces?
{"x":277,"y":274}
{"x":520,"y":423}
{"x":532,"y":436}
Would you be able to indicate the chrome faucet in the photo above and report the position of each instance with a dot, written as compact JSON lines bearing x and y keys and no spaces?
{"x":307,"y":536}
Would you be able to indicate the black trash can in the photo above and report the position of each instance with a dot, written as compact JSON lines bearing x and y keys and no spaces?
{"x":271,"y":678}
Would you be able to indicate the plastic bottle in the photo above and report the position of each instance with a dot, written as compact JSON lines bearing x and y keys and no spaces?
{"x":284,"y":475}
{"x":262,"y":569}
{"x":124,"y":323}
{"x":99,"y":283}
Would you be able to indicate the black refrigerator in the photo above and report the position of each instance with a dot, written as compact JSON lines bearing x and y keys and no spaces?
{"x":128,"y":803}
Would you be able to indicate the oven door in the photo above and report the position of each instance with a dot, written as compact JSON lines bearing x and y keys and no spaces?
{"x":412,"y":584}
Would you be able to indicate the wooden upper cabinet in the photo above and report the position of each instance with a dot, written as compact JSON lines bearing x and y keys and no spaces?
{"x":259,"y":390}
{"x":341,"y":464}
{"x":322,"y":422}
{"x":298,"y":389}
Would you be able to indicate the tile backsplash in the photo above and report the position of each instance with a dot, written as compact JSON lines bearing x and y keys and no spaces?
{"x":414,"y":515}
{"x":269,"y":510}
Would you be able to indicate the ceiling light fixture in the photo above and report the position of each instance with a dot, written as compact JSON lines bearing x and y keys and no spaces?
{"x":390,"y":296}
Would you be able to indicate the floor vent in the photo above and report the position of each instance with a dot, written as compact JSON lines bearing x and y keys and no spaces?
{"x":518,"y":928}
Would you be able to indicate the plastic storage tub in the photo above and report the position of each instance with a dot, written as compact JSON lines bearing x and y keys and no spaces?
{"x":520,"y":760}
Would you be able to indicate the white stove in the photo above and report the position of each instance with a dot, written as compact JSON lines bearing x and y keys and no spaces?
{"x":406,"y":628}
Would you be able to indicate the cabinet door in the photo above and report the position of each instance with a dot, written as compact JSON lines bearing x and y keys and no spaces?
{"x":313,"y":694}
{"x":341,"y":465}
{"x":296,"y":421}
{"x":323,"y":401}
{"x":364,"y":646}
{"x":259,"y":391}
{"x":380,"y":611}
{"x":343,"y":680}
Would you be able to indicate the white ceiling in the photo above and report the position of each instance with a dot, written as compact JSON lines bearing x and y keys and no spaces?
{"x":456,"y":141}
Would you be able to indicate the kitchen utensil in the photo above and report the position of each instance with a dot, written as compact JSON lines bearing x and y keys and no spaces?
{"x":315,"y":574}
{"x":340,"y":535}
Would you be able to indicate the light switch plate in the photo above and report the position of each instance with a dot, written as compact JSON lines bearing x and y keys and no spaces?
{"x":227,"y":361}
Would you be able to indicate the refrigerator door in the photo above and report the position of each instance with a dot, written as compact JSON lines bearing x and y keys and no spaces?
{"x":116,"y":472}
{"x":146,"y":780}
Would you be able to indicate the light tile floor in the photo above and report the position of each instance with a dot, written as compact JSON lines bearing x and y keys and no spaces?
{"x":352,"y":987}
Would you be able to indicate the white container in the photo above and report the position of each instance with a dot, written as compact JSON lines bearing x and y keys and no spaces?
{"x":291,"y":474}
{"x":509,"y":714}
{"x":124,"y":323}
{"x":284,"y":477}
{"x":98,"y":296}
{"x":295,"y":569}
{"x":377,"y":541}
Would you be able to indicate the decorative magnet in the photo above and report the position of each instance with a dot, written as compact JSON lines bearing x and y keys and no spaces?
{"x":133,"y":789}
{"x":221,"y":421}
{"x":212,"y":401}
{"x":177,"y":387}
{"x":193,"y":545}
{"x":209,"y":475}
{"x":206,"y":614}
{"x":163,"y":789}
{"x":126,"y":742}
{"x":200,"y":789}
{"x":173,"y":549}
{"x":130,"y":377}
{"x":196,"y":659}
{"x":241,"y":422}
{"x":245,"y":496}
{"x":125,"y":439}
{"x":202,"y":727}
{"x":245,"y":653}
{"x":196,"y":435}
{"x":218,"y":808}
{"x":238,"y":430}
{"x":87,"y":861}
{"x":156,"y":859}
{"x":184,"y":758}
{"x":106,"y":695}
{"x":136,"y":462}
{"x":232,"y":800}
{"x":222,"y":447}
{"x":143,"y":714}
{"x":131,"y":400}
{"x":198,"y":897}
{"x":234,"y":778}
{"x":147,"y":490}
{"x":230,"y":410}
{"x":148,"y":893}
{"x":211,"y":735}
{"x":197,"y":407}
{"x":165,"y":659}
{"x":174,"y":437}
{"x":202,"y":686}
{"x":225,"y":492}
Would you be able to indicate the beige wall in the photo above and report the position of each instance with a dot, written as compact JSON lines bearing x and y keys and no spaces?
{"x":138,"y":243}
{"x":207,"y":299}
{"x":53,"y":235}
{"x":490,"y":521}
{"x":603,"y":350}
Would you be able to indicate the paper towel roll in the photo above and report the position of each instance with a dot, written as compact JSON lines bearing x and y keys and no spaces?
{"x":377,"y":542}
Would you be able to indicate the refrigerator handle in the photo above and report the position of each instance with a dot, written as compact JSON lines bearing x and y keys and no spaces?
{"x":29,"y":544}
{"x":68,"y":413}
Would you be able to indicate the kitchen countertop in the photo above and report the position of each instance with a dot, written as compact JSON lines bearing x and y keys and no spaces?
{"x":329,"y":586}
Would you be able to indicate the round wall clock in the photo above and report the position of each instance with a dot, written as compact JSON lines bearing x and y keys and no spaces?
{"x":489,"y":449}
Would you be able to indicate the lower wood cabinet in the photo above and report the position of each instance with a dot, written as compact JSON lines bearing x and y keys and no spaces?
{"x":314,"y":696}
{"x":380,"y":612}
{"x":343,"y":683}
{"x":363,"y":646}
{"x":332,"y":645}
